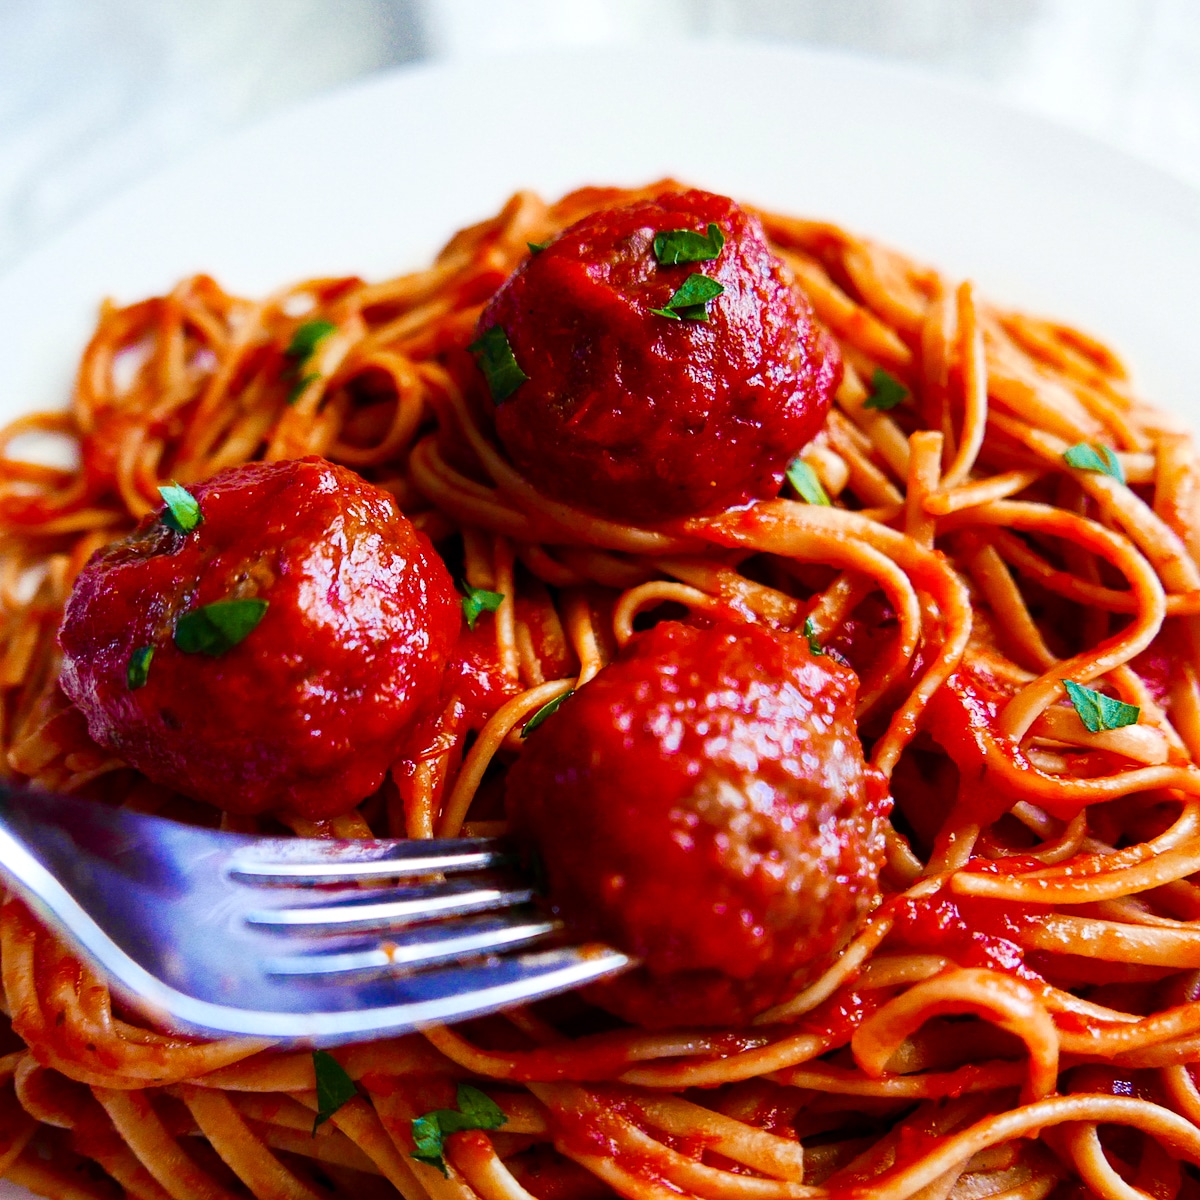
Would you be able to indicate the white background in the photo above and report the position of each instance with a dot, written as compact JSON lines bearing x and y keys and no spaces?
{"x":96,"y":94}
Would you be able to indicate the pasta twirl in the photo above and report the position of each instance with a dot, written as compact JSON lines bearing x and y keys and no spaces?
{"x":1018,"y":1017}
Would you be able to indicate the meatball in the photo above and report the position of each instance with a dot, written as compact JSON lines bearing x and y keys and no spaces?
{"x":298,"y":706}
{"x":641,"y":416}
{"x":701,"y":805}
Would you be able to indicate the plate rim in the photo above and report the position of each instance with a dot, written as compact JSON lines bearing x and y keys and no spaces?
{"x":1181,"y":191}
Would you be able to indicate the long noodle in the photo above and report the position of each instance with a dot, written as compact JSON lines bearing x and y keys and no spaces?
{"x":1021,"y":1014}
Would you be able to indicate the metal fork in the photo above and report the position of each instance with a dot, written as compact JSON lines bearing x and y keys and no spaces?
{"x":292,"y":939}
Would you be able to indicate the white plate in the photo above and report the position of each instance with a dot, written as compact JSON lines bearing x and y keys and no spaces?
{"x":371,"y":180}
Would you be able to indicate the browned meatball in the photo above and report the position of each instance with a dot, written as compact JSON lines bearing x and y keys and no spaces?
{"x":334,"y":618}
{"x":641,"y":411}
{"x":701,"y":805}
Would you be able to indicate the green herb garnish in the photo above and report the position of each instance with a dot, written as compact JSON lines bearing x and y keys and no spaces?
{"x":886,"y":391}
{"x":814,"y":646}
{"x":475,"y":1111}
{"x":804,"y":479}
{"x":334,"y":1086}
{"x":182,"y":513}
{"x":215,"y":628}
{"x":1099,"y":712}
{"x":498,"y":364}
{"x":536,"y":247}
{"x":307,"y":338}
{"x":1094,"y":458}
{"x":479,"y":600}
{"x":138,"y":670}
{"x":676,"y":246}
{"x":690,"y":302}
{"x":545,"y":711}
{"x":301,"y":386}
{"x":301,"y":348}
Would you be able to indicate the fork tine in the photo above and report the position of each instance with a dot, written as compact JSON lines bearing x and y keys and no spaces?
{"x":419,"y":948}
{"x":392,"y":906}
{"x":156,"y":906}
{"x":402,"y":1002}
{"x":280,"y":860}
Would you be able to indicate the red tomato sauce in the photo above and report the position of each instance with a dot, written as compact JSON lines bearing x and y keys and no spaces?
{"x":973,"y":931}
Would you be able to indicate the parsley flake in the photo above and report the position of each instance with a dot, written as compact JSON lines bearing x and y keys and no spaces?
{"x":307,"y":338}
{"x":138,"y":670}
{"x":1099,"y":712}
{"x":1094,"y":458}
{"x":301,"y":386}
{"x":536,"y":247}
{"x":676,"y":246}
{"x":479,"y":600}
{"x":886,"y":391}
{"x":804,"y":479}
{"x":334,"y":1086}
{"x":499,"y":365}
{"x":547,"y":710}
{"x":214,"y":628}
{"x":814,"y":647}
{"x":475,"y":1111}
{"x":690,"y":301}
{"x":303,"y":345}
{"x":182,"y":513}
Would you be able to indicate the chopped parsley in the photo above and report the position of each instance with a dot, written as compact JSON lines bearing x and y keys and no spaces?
{"x":307,"y":338}
{"x":182,"y":513}
{"x":1094,"y":458}
{"x":814,"y":646}
{"x":547,"y":710}
{"x":1099,"y":712}
{"x":804,"y":479}
{"x":301,"y":386}
{"x":498,"y":363}
{"x":690,"y":301}
{"x":214,"y":628}
{"x":886,"y":391}
{"x":304,"y":343}
{"x":479,"y":600}
{"x":138,"y":670}
{"x":676,"y":246}
{"x":475,"y":1111}
{"x":536,"y":247}
{"x":334,"y":1086}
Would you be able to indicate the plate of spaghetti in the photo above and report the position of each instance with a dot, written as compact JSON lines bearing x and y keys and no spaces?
{"x":820,"y":624}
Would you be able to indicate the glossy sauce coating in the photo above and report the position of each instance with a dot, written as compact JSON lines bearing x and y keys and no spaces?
{"x":701,"y":804}
{"x":308,"y":711}
{"x":643,"y":418}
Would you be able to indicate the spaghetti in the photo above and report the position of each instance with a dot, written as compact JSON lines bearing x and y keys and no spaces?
{"x":1018,"y":1017}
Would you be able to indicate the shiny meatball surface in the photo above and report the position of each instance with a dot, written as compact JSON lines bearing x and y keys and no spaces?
{"x":305,"y":713}
{"x":640,"y":417}
{"x":700,"y":804}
